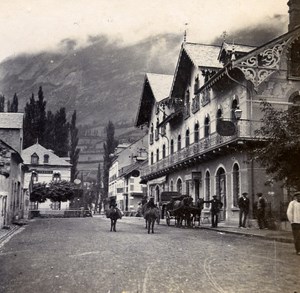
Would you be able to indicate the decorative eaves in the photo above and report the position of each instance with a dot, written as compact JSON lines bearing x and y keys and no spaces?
{"x":262,"y":62}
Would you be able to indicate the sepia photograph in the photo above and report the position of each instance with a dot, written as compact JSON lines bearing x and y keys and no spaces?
{"x":150,"y":146}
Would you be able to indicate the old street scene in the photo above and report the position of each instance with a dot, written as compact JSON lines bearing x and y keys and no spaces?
{"x":150,"y":146}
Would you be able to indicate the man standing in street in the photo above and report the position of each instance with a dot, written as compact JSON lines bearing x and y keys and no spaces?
{"x":261,"y":210}
{"x":243,"y":204}
{"x":216,"y":205}
{"x":293,"y":215}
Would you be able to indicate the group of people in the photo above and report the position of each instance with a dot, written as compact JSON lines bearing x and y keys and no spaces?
{"x":260,"y":206}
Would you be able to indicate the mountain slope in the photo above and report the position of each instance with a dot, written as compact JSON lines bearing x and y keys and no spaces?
{"x":102,"y":81}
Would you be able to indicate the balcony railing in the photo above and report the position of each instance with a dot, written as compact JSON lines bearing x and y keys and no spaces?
{"x":245,"y":130}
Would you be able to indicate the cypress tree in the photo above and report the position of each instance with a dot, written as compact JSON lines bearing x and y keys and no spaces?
{"x":30,"y":124}
{"x":74,"y":151}
{"x":41,"y":116}
{"x":2,"y":103}
{"x":61,"y":131}
{"x":49,"y":138}
{"x":109,"y":148}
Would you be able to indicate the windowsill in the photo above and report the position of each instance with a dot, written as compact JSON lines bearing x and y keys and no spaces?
{"x":234,"y":209}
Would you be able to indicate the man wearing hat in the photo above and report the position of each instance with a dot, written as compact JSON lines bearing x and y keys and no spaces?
{"x":260,"y":211}
{"x":293,"y":215}
{"x":151,"y":204}
{"x":243,"y":204}
{"x":216,"y":205}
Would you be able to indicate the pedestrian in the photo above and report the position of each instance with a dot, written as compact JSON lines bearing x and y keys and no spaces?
{"x":243,"y":204}
{"x":293,"y":215}
{"x":151,"y":204}
{"x":216,"y":206}
{"x":261,"y":211}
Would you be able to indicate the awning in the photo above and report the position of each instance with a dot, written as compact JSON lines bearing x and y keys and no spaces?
{"x":158,"y":180}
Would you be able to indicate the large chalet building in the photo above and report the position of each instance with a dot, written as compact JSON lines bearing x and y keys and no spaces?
{"x":199,"y":131}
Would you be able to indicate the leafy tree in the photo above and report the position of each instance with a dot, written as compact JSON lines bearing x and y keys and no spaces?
{"x":2,"y":103}
{"x":55,"y":191}
{"x":74,"y":151}
{"x":109,"y":148}
{"x":39,"y":192}
{"x":280,"y":150}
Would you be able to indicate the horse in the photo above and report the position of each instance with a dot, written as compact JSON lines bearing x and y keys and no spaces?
{"x":151,"y":215}
{"x":182,"y":211}
{"x":196,"y":211}
{"x":114,"y":214}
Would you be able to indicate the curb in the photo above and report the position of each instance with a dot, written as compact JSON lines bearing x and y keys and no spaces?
{"x":9,"y":232}
{"x":272,"y":238}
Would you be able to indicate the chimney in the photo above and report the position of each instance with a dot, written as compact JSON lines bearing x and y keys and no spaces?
{"x":294,"y":13}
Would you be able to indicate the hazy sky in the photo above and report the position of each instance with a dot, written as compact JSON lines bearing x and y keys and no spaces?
{"x":33,"y":25}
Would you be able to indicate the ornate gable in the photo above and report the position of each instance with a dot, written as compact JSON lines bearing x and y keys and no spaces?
{"x":261,"y":63}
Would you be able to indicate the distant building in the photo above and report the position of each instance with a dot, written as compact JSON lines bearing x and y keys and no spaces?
{"x":11,"y":185}
{"x":124,"y":175}
{"x":43,"y":166}
{"x":11,"y":168}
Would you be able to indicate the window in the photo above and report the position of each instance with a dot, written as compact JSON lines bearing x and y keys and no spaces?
{"x":46,"y":159}
{"x":164,"y":151}
{"x":171,"y":185}
{"x":151,"y":133}
{"x":157,"y":155}
{"x":294,"y":64}
{"x":235,"y":184}
{"x":207,"y":188}
{"x":179,"y":185}
{"x":179,"y":143}
{"x":196,"y":84}
{"x":196,"y":132}
{"x":187,"y":187}
{"x":219,"y":114}
{"x":34,"y":176}
{"x":187,"y":138}
{"x":172,"y":146}
{"x":234,"y":106}
{"x":34,"y":159}
{"x":206,"y":126}
{"x":56,"y":176}
{"x":152,"y":158}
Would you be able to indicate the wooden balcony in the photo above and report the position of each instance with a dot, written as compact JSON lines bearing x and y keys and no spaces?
{"x":209,"y":147}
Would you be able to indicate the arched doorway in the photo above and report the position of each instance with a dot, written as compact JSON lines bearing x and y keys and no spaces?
{"x":179,"y":186}
{"x":221,"y":191}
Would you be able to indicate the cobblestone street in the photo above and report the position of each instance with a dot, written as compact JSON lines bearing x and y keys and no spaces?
{"x":82,"y":255}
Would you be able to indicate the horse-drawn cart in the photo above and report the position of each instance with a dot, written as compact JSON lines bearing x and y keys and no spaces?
{"x":181,"y":208}
{"x":171,"y":208}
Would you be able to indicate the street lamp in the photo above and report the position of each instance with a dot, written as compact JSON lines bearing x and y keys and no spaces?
{"x":238,"y":113}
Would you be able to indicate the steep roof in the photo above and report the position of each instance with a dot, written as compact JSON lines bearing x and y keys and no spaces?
{"x":41,"y":151}
{"x":203,"y":55}
{"x":156,"y":87}
{"x":11,"y":120}
{"x":160,"y":85}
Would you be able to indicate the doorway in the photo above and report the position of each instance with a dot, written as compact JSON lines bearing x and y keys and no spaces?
{"x":221,"y":191}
